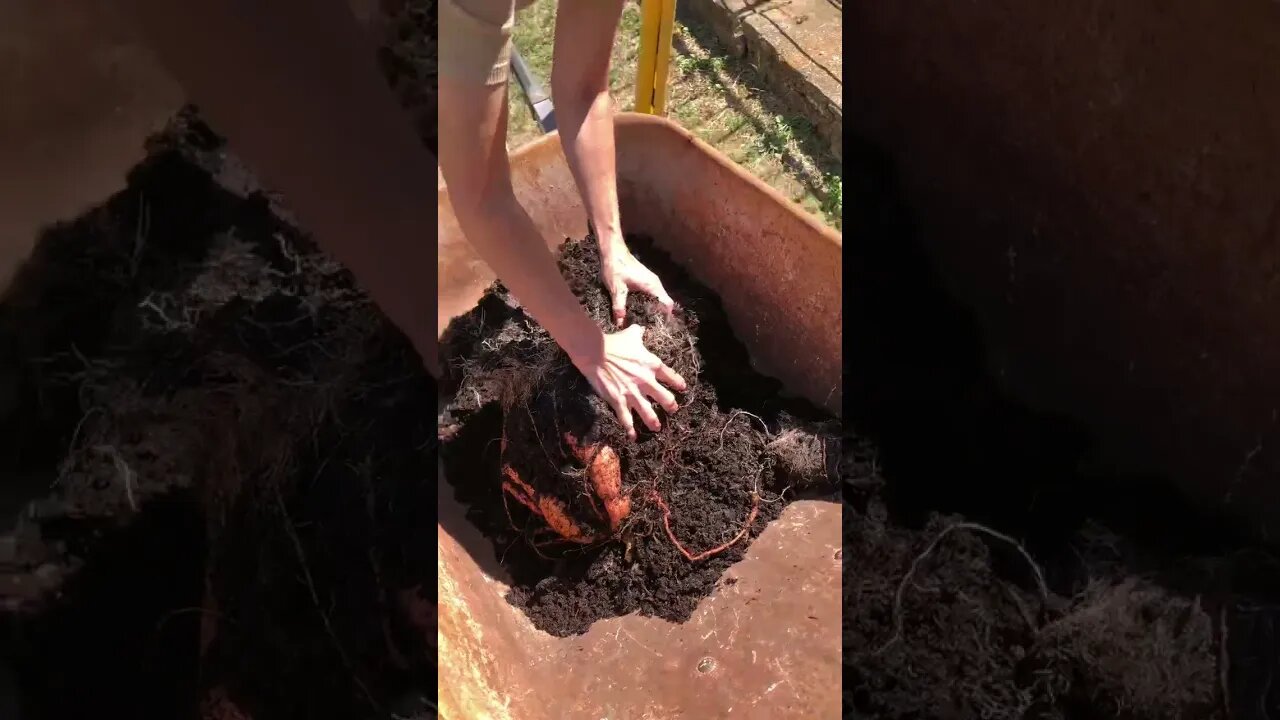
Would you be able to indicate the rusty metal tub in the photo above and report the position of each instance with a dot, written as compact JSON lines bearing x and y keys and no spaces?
{"x":767,"y":646}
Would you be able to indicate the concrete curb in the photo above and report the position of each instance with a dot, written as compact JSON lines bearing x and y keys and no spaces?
{"x":795,"y":45}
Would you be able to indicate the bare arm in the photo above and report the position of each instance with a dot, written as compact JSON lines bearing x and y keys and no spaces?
{"x":473,"y":158}
{"x":295,"y":87}
{"x":585,"y":33}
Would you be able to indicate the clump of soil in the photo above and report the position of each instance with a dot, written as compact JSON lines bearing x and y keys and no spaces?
{"x":407,"y":57}
{"x":229,"y":454}
{"x":217,"y":453}
{"x":724,"y":465}
{"x":951,"y":620}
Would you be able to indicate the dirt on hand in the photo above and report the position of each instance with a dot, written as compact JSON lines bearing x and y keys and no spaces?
{"x":688,"y":498}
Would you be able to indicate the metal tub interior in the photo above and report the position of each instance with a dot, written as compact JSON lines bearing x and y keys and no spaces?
{"x":1108,"y":211}
{"x":767,"y":646}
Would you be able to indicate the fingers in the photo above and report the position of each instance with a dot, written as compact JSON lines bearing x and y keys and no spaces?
{"x":661,"y":370}
{"x":631,"y":377}
{"x":669,"y":377}
{"x":652,"y":285}
{"x":663,"y":396}
{"x":620,"y":305}
{"x":622,"y":408}
{"x":664,"y":300}
{"x":644,"y":410}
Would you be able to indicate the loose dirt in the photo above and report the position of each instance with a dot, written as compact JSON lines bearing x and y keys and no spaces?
{"x":233,"y":450}
{"x":724,"y":465}
{"x":217,"y":452}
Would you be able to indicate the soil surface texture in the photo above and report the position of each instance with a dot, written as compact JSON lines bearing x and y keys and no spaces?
{"x":233,"y":451}
{"x":215,"y":453}
{"x":696,"y":492}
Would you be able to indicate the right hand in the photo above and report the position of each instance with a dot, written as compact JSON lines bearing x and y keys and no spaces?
{"x":627,"y":375}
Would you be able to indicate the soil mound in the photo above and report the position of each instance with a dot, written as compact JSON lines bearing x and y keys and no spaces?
{"x":526,"y":440}
{"x":224,"y":457}
{"x":952,"y":620}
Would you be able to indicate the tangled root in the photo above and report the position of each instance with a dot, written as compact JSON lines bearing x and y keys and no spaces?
{"x":800,"y":455}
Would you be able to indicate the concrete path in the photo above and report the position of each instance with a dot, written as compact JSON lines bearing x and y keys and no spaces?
{"x":796,"y":46}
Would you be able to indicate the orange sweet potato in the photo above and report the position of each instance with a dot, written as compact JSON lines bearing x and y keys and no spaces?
{"x":551,"y":510}
{"x":604,"y":471}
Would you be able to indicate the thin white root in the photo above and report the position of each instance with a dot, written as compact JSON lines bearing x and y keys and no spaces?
{"x":915,"y":564}
{"x":71,"y":446}
{"x":123,"y":470}
{"x":800,"y":452}
{"x":315,"y":598}
{"x":729,"y":422}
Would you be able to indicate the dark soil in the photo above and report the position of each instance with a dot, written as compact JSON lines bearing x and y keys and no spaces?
{"x":228,"y":437}
{"x":407,"y":57}
{"x":1152,"y":609}
{"x":206,"y":429}
{"x":720,"y":460}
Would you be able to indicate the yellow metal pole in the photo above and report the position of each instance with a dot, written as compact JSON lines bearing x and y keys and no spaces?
{"x":666,"y":25}
{"x":657,"y":22}
{"x":650,"y":19}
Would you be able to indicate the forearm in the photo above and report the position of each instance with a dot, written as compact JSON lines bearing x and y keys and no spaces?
{"x":586,"y":133}
{"x":585,"y":32}
{"x":294,"y":86}
{"x":506,"y":239}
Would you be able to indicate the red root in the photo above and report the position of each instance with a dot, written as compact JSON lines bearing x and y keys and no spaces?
{"x":666,"y":523}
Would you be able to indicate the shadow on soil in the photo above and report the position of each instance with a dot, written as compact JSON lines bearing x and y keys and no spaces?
{"x":67,"y":660}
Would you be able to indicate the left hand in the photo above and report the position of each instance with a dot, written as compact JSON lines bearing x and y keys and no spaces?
{"x":621,"y":273}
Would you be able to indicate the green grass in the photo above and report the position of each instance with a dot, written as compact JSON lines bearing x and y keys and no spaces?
{"x":714,"y":95}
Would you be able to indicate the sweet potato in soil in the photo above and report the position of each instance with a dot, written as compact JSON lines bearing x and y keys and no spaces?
{"x":710,"y":480}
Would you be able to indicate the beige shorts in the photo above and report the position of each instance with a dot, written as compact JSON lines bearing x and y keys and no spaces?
{"x":475,"y":39}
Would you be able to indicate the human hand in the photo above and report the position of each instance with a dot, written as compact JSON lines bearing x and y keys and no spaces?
{"x":622,"y":272}
{"x":627,"y":375}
